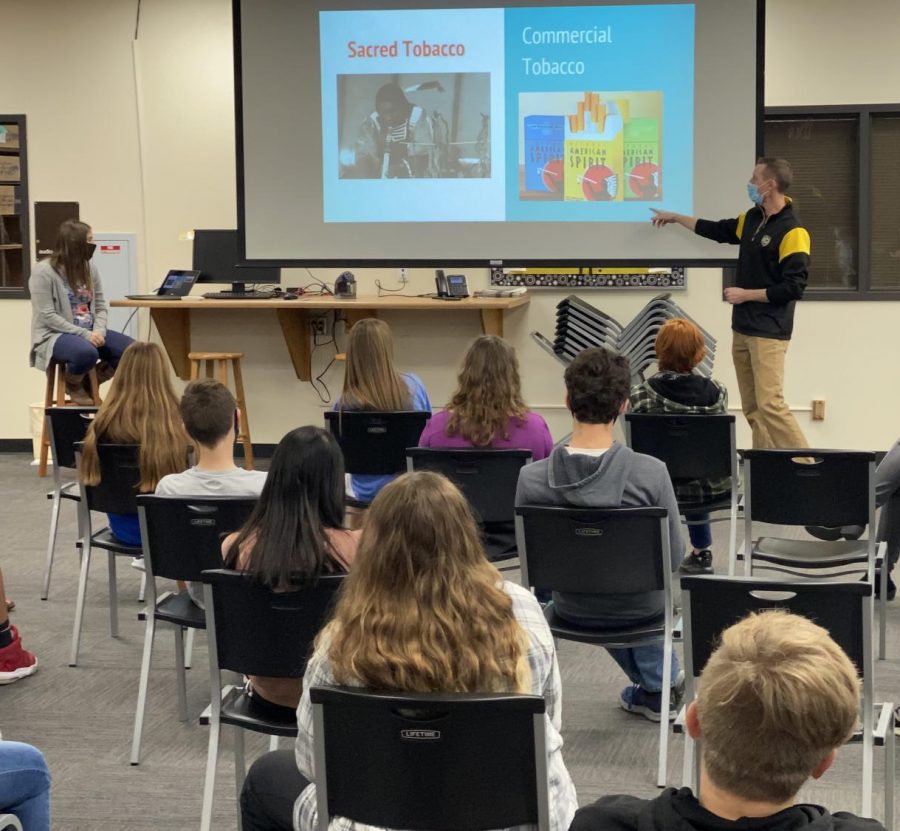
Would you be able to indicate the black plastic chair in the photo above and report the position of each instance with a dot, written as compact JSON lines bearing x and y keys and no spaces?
{"x":488,"y":480}
{"x":182,"y":538}
{"x":838,"y":488}
{"x":430,"y":762}
{"x":374,"y":444}
{"x":693,"y":447}
{"x":66,"y":426}
{"x":253,"y":630}
{"x":711,"y":604}
{"x":603,"y":551}
{"x":120,"y":478}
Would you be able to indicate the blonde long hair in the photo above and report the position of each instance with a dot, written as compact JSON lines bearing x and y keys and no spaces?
{"x":422,"y":609}
{"x":140,"y":408}
{"x":488,"y":392}
{"x":371,"y":382}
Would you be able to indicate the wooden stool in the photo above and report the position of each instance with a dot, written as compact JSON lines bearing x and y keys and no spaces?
{"x":221,"y":373}
{"x":56,"y":371}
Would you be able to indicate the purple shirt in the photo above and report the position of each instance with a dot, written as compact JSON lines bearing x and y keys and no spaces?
{"x":530,"y":433}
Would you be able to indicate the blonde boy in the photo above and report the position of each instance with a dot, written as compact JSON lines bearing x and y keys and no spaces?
{"x":775,"y":701}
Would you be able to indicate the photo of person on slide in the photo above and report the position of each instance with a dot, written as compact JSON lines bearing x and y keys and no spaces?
{"x":408,"y":135}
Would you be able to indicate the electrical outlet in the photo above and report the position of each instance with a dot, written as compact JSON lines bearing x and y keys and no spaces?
{"x":319,"y":325}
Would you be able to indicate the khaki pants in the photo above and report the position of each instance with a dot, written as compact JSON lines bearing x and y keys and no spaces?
{"x":759,"y":364}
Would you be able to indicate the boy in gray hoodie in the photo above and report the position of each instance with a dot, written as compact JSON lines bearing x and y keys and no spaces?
{"x":593,"y":471}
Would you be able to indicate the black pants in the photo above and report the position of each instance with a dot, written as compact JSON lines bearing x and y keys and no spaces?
{"x":271,"y":788}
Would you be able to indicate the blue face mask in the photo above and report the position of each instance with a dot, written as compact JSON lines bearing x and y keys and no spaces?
{"x":753,"y":192}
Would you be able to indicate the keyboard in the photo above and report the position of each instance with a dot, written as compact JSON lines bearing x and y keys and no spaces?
{"x":239,"y":295}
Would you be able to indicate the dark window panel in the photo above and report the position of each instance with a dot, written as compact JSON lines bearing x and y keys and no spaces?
{"x":824,"y":153}
{"x":885,"y":222}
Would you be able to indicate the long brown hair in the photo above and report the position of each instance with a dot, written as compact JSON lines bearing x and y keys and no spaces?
{"x":488,"y":392}
{"x":71,"y":256}
{"x":370,"y":381}
{"x":140,"y":408}
{"x":422,"y":609}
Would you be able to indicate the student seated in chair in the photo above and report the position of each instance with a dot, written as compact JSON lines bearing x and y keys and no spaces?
{"x":372,"y":383}
{"x":593,"y":471}
{"x":422,"y":611}
{"x":295,"y":533}
{"x":140,"y":408}
{"x":676,"y":389}
{"x":210,"y":417}
{"x":486,"y":411}
{"x":775,"y":702}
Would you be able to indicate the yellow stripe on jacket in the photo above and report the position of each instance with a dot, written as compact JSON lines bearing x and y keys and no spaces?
{"x":795,"y":241}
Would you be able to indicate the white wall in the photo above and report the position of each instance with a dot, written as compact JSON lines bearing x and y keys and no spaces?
{"x":73,"y":74}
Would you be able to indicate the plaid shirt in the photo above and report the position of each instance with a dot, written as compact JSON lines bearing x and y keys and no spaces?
{"x":545,"y":681}
{"x":645,"y":399}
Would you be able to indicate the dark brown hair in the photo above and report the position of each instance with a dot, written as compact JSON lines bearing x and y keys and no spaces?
{"x":207,"y":410}
{"x":71,"y":257}
{"x":778,"y":169}
{"x":597,"y":382}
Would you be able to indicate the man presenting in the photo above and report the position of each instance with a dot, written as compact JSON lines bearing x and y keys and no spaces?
{"x":773,"y":262}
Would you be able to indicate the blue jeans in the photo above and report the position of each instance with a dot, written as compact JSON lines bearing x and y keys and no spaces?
{"x":25,"y":785}
{"x":80,"y":355}
{"x":701,"y":535}
{"x":644,"y":665}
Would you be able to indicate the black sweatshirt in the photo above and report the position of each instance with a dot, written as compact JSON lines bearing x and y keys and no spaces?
{"x":680,"y":811}
{"x":773,"y":255}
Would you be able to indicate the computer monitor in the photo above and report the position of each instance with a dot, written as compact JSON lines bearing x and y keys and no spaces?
{"x":216,"y":258}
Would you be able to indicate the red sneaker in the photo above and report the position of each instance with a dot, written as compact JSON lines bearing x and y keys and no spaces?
{"x":15,"y":662}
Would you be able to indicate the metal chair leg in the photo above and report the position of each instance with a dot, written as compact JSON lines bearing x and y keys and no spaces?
{"x":113,"y":596}
{"x":181,"y":681}
{"x":240,"y":769}
{"x":889,"y":773}
{"x":79,"y":602}
{"x":51,"y":543}
{"x":143,"y":590}
{"x":273,"y":743}
{"x":189,"y":649}
{"x":664,"y":727}
{"x":212,"y":756}
{"x":141,"y":708}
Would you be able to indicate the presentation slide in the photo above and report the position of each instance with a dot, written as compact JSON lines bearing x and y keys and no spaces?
{"x":525,"y":132}
{"x":507,"y":115}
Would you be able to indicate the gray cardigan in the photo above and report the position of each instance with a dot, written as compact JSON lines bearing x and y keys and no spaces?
{"x":51,"y":311}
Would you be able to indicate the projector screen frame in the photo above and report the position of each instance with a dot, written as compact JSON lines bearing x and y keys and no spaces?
{"x":462,"y":262}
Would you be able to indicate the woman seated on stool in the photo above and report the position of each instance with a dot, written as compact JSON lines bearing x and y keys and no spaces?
{"x":372,"y":383}
{"x":487,"y":411}
{"x":421,"y":611}
{"x":68,"y":313}
{"x":140,"y":408}
{"x":678,"y":390}
{"x":294,"y":533}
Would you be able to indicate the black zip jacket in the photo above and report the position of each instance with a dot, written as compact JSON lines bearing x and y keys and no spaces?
{"x":680,"y":811}
{"x":774,"y":255}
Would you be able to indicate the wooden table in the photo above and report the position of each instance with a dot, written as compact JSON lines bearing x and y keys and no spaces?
{"x":173,"y":318}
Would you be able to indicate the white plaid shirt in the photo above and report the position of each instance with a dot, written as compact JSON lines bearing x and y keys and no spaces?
{"x":545,"y":681}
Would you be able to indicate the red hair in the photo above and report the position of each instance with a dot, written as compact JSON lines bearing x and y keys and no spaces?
{"x":679,"y":346}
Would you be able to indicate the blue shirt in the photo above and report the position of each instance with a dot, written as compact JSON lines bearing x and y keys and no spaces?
{"x":366,"y":487}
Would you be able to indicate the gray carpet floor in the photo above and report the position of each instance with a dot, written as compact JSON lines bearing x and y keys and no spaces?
{"x":82,"y":717}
